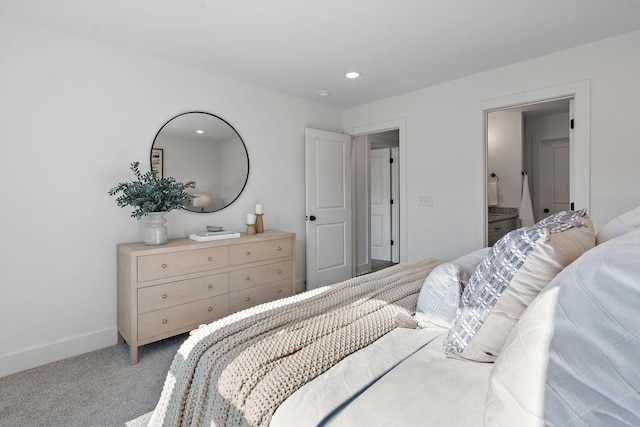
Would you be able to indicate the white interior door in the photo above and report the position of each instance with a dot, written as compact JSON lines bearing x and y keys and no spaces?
{"x":553,"y":172}
{"x":381,"y":204}
{"x":328,"y":207}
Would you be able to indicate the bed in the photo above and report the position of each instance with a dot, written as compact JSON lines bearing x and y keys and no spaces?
{"x":477,"y":340}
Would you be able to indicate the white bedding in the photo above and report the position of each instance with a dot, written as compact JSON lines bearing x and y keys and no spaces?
{"x":406,"y":374}
{"x":239,"y":369}
{"x":584,"y":324}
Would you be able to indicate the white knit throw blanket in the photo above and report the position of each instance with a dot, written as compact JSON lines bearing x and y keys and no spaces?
{"x":238,"y":370}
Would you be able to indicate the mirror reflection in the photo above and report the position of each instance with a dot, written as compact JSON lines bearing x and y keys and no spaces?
{"x":204,"y":148}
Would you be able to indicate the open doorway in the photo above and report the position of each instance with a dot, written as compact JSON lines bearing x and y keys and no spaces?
{"x":333,"y":227}
{"x":376,"y":208}
{"x":528,"y":164}
{"x":579,"y":152}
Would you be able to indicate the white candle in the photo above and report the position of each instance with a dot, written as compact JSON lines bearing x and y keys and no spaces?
{"x":258,"y":209}
{"x":251,"y":219}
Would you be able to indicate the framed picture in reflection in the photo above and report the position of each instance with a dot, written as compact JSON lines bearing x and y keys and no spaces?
{"x":157,"y":161}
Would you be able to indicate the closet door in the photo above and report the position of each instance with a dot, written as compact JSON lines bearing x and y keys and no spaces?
{"x":381,"y":204}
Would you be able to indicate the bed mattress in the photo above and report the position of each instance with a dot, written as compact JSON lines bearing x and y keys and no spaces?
{"x":405,"y":374}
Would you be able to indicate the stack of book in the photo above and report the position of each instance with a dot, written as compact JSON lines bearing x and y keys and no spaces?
{"x":206,"y":236}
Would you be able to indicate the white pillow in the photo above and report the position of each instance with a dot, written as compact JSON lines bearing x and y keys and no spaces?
{"x":441,"y":291}
{"x":439,"y":297}
{"x":469,"y":262}
{"x":516,"y":384}
{"x":592,"y":375}
{"x":620,"y":225}
{"x":572,"y":357}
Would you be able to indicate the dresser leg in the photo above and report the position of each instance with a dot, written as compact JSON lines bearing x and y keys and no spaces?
{"x":133,"y":354}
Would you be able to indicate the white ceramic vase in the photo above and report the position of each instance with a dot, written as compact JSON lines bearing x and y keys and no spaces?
{"x":155,"y":232}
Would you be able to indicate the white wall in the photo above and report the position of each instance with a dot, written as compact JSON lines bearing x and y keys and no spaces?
{"x":73,"y":115}
{"x":504,"y":155}
{"x":444,"y":144}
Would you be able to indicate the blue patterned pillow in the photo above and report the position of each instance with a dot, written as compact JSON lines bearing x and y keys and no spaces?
{"x":514,"y":271}
{"x":489,"y":281}
{"x":561,"y":221}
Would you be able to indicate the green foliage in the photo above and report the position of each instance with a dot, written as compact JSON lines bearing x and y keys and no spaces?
{"x":148,"y":194}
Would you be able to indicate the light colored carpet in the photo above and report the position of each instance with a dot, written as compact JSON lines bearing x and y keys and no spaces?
{"x":99,"y":388}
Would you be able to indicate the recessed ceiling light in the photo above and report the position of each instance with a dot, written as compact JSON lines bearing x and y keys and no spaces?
{"x":352,"y":75}
{"x":199,"y":131}
{"x":323,"y":92}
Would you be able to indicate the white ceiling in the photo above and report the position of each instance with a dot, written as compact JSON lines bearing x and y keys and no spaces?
{"x":303,"y":46}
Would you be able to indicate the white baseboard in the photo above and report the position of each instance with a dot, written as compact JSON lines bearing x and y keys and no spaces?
{"x":37,"y":356}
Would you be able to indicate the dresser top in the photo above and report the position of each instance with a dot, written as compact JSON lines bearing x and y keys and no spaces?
{"x":188,"y":244}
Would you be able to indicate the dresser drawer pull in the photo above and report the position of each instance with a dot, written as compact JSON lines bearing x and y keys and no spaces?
{"x":164,"y":296}
{"x":210,"y":286}
{"x":279,"y":290}
{"x":164,"y":265}
{"x":210,"y":259}
{"x":247,"y":299}
{"x":210,"y":308}
{"x":279,"y":271}
{"x":247,"y":278}
{"x":279,"y":248}
{"x":164,"y":320}
{"x":247,"y":253}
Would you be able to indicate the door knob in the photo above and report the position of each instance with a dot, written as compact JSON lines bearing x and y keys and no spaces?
{"x":546,"y":211}
{"x":312,"y":218}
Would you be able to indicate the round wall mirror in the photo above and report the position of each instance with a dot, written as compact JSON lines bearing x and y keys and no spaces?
{"x":204,"y":148}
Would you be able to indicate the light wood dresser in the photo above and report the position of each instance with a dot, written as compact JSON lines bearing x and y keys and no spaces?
{"x":170,"y":289}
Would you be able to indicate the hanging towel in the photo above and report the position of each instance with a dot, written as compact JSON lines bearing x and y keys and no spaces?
{"x":526,"y":210}
{"x":492,"y":193}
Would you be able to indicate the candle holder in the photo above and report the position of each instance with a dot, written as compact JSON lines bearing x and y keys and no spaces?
{"x":259,"y":223}
{"x":251,"y":229}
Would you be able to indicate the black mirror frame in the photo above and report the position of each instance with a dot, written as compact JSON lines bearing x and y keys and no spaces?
{"x":241,"y":140}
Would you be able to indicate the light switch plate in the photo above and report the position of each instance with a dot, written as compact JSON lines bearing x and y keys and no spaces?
{"x":425,"y":201}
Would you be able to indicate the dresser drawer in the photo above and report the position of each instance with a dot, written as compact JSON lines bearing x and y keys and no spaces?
{"x":254,"y":276}
{"x":495,"y":228}
{"x":260,"y":251}
{"x":160,"y":266}
{"x":498,"y":229}
{"x":246,"y":298}
{"x":157,"y":297}
{"x":181,"y":316}
{"x":508,"y":225}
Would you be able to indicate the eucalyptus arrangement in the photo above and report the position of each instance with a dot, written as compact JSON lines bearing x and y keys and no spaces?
{"x":147,"y":194}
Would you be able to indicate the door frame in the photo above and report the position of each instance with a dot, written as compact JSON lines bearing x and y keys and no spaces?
{"x":395,"y":209}
{"x":401,"y":125}
{"x":580,"y":91}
